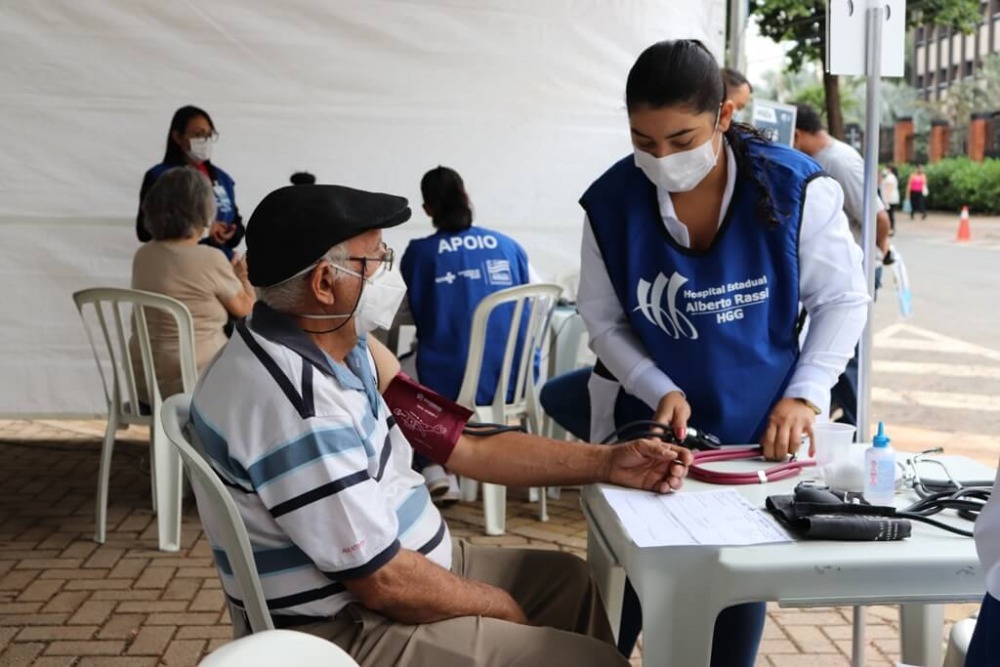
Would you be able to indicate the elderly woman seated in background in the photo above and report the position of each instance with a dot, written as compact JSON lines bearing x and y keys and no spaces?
{"x":176,"y":210}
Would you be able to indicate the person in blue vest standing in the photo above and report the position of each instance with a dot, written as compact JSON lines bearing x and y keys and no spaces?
{"x":189,"y":143}
{"x":699,"y":251}
{"x":447,"y":274}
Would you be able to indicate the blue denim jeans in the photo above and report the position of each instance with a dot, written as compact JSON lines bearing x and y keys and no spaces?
{"x":566,"y":399}
{"x":984,"y":649}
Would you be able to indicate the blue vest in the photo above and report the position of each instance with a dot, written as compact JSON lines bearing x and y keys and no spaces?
{"x":447,"y":275}
{"x":719,"y":322}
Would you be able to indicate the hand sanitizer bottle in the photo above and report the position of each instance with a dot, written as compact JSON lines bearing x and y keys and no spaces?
{"x":880,"y":470}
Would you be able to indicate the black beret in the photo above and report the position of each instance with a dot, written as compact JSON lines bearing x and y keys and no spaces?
{"x":294,"y":226}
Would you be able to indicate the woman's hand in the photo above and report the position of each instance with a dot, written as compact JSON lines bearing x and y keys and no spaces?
{"x":220,"y":232}
{"x":673,"y":409}
{"x":789,"y":420}
{"x":240,"y":268}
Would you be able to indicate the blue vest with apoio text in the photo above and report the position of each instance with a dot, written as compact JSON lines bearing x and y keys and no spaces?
{"x":447,"y":275}
{"x":719,"y":322}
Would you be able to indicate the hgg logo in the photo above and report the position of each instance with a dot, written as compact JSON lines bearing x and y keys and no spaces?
{"x":671,"y":321}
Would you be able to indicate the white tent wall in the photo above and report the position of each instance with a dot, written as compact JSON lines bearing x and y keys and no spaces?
{"x":524,"y":98}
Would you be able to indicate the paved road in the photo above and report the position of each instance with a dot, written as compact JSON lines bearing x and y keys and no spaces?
{"x":936,"y":375}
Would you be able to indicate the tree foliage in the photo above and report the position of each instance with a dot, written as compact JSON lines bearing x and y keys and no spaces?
{"x":802,"y":23}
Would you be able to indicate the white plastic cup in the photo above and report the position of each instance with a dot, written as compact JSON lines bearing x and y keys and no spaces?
{"x":833,"y":448}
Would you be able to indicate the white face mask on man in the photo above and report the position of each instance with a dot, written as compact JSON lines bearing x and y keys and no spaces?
{"x":381,"y":296}
{"x":681,"y":172}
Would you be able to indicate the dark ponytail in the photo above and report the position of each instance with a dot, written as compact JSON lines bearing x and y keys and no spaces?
{"x":445,"y":197}
{"x":685,"y":73}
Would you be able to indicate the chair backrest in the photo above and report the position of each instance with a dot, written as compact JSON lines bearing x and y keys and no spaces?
{"x":217,"y":506}
{"x":119,"y":311}
{"x":279,"y":647}
{"x":534,"y":304}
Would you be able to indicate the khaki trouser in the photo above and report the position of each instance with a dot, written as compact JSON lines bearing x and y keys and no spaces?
{"x":553,"y":588}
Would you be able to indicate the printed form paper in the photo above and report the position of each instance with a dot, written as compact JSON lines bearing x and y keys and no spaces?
{"x":716,"y":518}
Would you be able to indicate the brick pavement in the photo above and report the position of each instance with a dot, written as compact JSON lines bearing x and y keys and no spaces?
{"x":66,"y":601}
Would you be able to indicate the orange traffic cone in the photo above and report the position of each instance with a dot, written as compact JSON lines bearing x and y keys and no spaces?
{"x":964,"y":233}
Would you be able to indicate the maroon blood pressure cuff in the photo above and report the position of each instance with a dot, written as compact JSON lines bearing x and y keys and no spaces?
{"x":431,"y":422}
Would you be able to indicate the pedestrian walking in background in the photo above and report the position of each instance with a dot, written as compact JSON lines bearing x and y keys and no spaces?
{"x":889,"y":189}
{"x":916,"y":192}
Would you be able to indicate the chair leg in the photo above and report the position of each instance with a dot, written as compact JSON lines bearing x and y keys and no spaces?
{"x":543,"y":505}
{"x":103,"y":477}
{"x":152,"y":468}
{"x":470,"y":489}
{"x":495,"y":508}
{"x":168,"y":473}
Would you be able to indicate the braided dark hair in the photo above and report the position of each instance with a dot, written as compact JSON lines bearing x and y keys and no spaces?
{"x":684,"y":72}
{"x":445,"y":197}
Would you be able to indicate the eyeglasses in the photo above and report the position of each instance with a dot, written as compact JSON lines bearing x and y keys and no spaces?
{"x":387,"y":259}
{"x":212,"y":136}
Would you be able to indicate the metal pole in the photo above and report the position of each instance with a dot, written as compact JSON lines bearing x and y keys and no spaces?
{"x":872,"y":113}
{"x":873,"y":69}
{"x":736,"y":55}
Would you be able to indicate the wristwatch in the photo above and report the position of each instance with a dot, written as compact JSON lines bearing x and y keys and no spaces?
{"x":809,"y":404}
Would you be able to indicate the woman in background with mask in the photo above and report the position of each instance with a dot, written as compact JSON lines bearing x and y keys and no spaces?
{"x":190,"y":141}
{"x":698,"y":250}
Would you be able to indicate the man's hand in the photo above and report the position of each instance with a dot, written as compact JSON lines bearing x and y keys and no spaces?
{"x":789,"y":420}
{"x":673,"y":409}
{"x":220,"y":232}
{"x":648,"y":464}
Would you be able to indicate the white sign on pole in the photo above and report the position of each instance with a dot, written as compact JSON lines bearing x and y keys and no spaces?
{"x":846,"y":36}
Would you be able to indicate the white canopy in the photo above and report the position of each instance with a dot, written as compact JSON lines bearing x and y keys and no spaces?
{"x":523,"y":98}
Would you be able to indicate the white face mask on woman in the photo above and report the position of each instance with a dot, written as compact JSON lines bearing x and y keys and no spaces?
{"x":201,"y":149}
{"x":381,"y":296}
{"x":681,"y":172}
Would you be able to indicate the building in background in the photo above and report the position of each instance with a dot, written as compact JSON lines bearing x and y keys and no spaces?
{"x":943,"y":57}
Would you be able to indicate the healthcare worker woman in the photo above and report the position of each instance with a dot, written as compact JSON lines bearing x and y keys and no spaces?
{"x":699,"y":250}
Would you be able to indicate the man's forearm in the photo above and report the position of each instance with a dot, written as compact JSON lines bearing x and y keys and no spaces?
{"x":519,"y":459}
{"x":412,"y":589}
{"x":882,"y":229}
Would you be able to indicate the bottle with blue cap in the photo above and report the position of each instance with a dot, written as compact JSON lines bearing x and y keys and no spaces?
{"x":880,"y":470}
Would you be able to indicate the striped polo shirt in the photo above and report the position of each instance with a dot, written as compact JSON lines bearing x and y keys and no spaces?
{"x":316,"y":464}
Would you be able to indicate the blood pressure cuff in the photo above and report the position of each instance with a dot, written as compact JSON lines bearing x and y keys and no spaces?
{"x":431,"y":422}
{"x":819,"y":519}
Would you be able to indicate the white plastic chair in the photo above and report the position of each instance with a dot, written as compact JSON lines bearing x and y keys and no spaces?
{"x":536,"y":302}
{"x":218,"y":510}
{"x":113,"y":308}
{"x":279,"y":647}
{"x":958,"y":642}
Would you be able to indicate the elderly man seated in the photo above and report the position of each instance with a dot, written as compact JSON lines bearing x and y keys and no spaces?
{"x":347,"y":542}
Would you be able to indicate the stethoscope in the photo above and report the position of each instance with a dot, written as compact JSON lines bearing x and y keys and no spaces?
{"x":966,"y":498}
{"x":707,"y":449}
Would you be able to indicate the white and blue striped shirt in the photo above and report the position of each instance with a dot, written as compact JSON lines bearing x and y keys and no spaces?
{"x":316,"y":464}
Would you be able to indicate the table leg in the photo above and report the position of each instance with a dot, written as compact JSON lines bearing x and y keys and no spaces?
{"x":678,"y":620}
{"x":858,"y":638}
{"x":921,"y":633}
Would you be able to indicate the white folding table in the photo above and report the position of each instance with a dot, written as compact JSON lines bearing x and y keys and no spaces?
{"x":683,"y":588}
